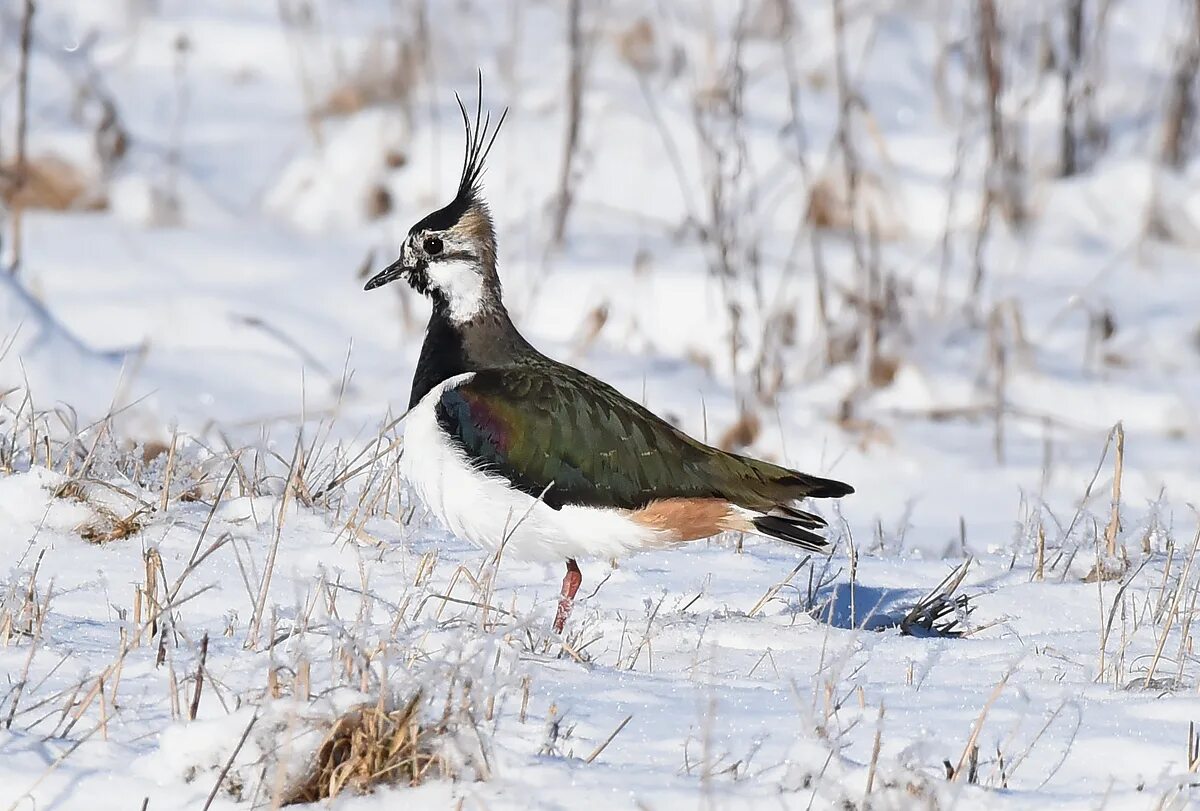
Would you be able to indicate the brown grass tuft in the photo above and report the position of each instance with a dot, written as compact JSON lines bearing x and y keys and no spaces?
{"x":742,"y":433}
{"x":71,"y":490}
{"x":107,"y":526}
{"x":379,"y":202}
{"x":153,"y":449}
{"x":638,"y":47}
{"x":883,"y":370}
{"x":833,"y":207}
{"x":385,"y":76}
{"x":371,"y":746}
{"x":49,"y":182}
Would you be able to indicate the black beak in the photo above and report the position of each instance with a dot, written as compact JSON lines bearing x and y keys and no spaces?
{"x":388,"y":274}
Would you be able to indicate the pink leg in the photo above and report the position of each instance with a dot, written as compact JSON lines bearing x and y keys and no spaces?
{"x":570,"y":586}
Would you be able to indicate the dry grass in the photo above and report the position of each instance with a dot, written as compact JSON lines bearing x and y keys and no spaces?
{"x":941,"y":612}
{"x":108,"y":526}
{"x":638,"y":47}
{"x":848,"y":201}
{"x":1114,"y":562}
{"x":386,"y":74}
{"x":72,"y":490}
{"x":389,"y":743}
{"x":742,"y":433}
{"x":123,"y":484}
{"x":371,"y":746}
{"x":832,"y":206}
{"x":21,"y":606}
{"x":49,"y":182}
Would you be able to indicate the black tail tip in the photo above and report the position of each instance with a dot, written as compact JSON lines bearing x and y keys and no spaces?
{"x":785,"y":529}
{"x":832,"y":488}
{"x":816,"y":487}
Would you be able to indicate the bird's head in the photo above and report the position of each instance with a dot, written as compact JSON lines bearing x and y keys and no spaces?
{"x":450,"y":255}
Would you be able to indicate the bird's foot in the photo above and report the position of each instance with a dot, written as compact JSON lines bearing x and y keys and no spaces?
{"x":570,"y":585}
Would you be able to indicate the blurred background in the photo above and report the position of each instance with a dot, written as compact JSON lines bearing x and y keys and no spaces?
{"x":937,"y":249}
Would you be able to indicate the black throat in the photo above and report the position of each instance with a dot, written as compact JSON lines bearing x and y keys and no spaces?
{"x":488,"y":341}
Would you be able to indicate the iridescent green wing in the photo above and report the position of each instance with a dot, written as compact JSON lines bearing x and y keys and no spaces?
{"x":557,"y":433}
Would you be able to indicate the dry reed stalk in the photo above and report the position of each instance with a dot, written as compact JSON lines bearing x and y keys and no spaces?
{"x":229,"y":762}
{"x":776,"y":588}
{"x":1039,"y":570}
{"x":604,"y":745}
{"x":1114,"y":520}
{"x":116,"y":678}
{"x":1087,"y":493}
{"x":165,"y":498}
{"x":252,"y":634}
{"x":33,"y":647}
{"x":1183,"y":109}
{"x":20,"y":621}
{"x":647,"y":635}
{"x":874,"y":755}
{"x":977,"y":727}
{"x":150,"y":589}
{"x":1106,"y":630}
{"x":575,"y":87}
{"x":21,"y":165}
{"x":1185,"y":637}
{"x":1172,"y":612}
{"x":194,"y":707}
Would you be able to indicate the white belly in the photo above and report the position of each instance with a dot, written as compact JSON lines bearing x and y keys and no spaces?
{"x":487,"y":511}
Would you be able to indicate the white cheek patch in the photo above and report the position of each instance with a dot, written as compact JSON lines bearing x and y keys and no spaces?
{"x":462,"y":285}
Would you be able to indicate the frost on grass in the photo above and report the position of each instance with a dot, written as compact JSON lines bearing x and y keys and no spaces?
{"x":288,"y":751}
{"x":289,"y":704}
{"x":941,"y":612}
{"x":286,"y":627}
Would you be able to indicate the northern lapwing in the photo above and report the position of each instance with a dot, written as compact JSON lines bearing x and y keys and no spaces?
{"x":511,"y":448}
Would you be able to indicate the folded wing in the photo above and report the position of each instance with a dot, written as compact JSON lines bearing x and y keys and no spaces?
{"x":556,"y":433}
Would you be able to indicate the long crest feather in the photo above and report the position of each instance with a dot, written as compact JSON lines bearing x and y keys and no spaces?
{"x":480,"y":138}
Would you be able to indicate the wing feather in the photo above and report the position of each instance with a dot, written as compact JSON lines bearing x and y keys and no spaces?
{"x":574,"y":435}
{"x":555,"y":432}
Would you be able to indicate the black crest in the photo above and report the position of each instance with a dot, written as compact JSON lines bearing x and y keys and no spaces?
{"x":479,"y":144}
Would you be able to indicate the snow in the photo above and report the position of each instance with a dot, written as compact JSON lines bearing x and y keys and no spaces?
{"x":217,"y":307}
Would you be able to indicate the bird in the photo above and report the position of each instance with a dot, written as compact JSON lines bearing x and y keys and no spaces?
{"x":511,"y":449}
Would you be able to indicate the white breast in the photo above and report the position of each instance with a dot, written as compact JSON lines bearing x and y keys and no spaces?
{"x":487,"y":511}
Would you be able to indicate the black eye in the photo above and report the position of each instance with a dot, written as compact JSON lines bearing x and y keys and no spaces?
{"x":432,"y":245}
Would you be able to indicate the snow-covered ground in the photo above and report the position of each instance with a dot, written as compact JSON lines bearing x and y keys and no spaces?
{"x":192,"y":365}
